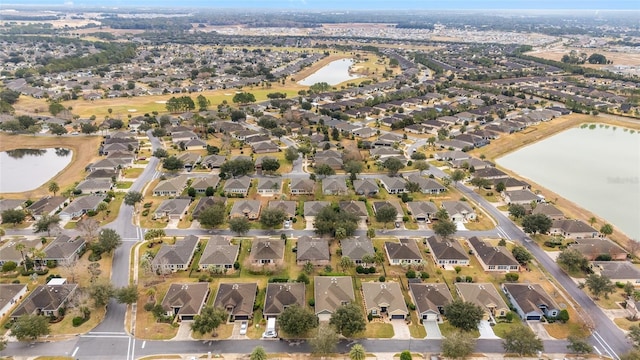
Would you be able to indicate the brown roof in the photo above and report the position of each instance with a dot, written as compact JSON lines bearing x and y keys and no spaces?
{"x":405,"y":249}
{"x":281,"y":295}
{"x":239,"y":297}
{"x":332,"y":292}
{"x":267,"y":249}
{"x":446,"y":249}
{"x":188,"y":298}
{"x":430,"y":297}
{"x":492,"y":255}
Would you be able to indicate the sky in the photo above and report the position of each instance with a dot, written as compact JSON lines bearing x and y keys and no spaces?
{"x":353,"y":4}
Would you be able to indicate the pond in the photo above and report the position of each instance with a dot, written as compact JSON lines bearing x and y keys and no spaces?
{"x":333,"y":73}
{"x":27,"y":169}
{"x":594,"y":166}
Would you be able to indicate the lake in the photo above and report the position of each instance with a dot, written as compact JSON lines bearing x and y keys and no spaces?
{"x":27,"y":169}
{"x":333,"y":73}
{"x":596,"y":167}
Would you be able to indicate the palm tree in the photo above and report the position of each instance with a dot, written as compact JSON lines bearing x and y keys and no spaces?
{"x":38,"y":255}
{"x":357,"y":352}
{"x":21,"y":247}
{"x":54,"y":187}
{"x":592,"y":220}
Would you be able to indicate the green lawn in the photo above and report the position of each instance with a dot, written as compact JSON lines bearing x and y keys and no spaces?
{"x":446,"y":329}
{"x":377,"y":330}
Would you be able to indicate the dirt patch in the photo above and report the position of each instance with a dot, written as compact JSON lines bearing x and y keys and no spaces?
{"x":85,"y":151}
{"x":618,"y":58}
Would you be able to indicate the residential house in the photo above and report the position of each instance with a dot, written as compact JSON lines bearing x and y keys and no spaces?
{"x":427,"y":186}
{"x":81,"y":206}
{"x":105,"y":164}
{"x":617,"y":271}
{"x":313,"y":208}
{"x":177,"y":256}
{"x":189,"y":159}
{"x":219,"y":253}
{"x":48,"y":205}
{"x":490,"y":173}
{"x":8,"y":251}
{"x":213,"y":161}
{"x":246,"y":208}
{"x":393,"y":185}
{"x":367,"y":187}
{"x":573,"y":229}
{"x":237,"y":299}
{"x":493,"y":258}
{"x":422,"y":211}
{"x":206,"y":202}
{"x":301,"y":186}
{"x":266,"y":251}
{"x":447,"y":254}
{"x":269,"y":186}
{"x":10,"y":294}
{"x":384,"y":299}
{"x":377,"y":205}
{"x":95,"y":186}
{"x":549,"y":210}
{"x":357,"y":249}
{"x":172,"y":209}
{"x":510,"y":184}
{"x":597,"y":248}
{"x":312,"y":250}
{"x":238,"y":186}
{"x":357,"y":208}
{"x":531,"y":302}
{"x":11,"y":204}
{"x":288,"y":207}
{"x":46,"y":300}
{"x":452,"y":156}
{"x":334,"y":186}
{"x":484,"y":295}
{"x":331,"y":292}
{"x":185,"y":301}
{"x":520,"y":197}
{"x":430,"y":300}
{"x":111,"y":175}
{"x":64,"y":249}
{"x":265,"y":147}
{"x":201,"y":184}
{"x":404,"y":252}
{"x":280,"y":296}
{"x":459,"y":211}
{"x":171,"y":187}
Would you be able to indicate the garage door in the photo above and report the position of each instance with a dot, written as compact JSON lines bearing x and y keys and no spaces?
{"x":430,"y":317}
{"x":397,"y":317}
{"x":533,"y":317}
{"x":187,"y":318}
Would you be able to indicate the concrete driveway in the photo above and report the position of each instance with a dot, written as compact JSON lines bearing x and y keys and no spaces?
{"x":433,"y":330}
{"x":400,"y":329}
{"x":539,"y":329}
{"x":486,"y":331}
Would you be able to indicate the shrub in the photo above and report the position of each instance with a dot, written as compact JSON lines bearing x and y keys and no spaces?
{"x":147,"y":205}
{"x":457,"y":269}
{"x":95,"y":256}
{"x":411,"y":274}
{"x":563,"y":316}
{"x":412,"y":306}
{"x":149,"y":306}
{"x":16,"y":281}
{"x":77,"y":321}
{"x":468,"y":279}
{"x":9,"y":266}
{"x":312,"y":302}
{"x":236,"y":265}
{"x":52,"y":264}
{"x":511,"y":277}
{"x":360,"y":269}
{"x":371,"y":270}
{"x":92,"y":213}
{"x":303,"y":278}
{"x":382,"y":278}
{"x":370,"y":317}
{"x":145,"y":212}
{"x":458,"y":279}
{"x":44,"y":271}
{"x":424,"y":275}
{"x":278,"y":279}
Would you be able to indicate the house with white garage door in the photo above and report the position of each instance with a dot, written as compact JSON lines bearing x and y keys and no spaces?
{"x":430,"y":300}
{"x":384,"y":299}
{"x":531,"y":301}
{"x":331,"y":292}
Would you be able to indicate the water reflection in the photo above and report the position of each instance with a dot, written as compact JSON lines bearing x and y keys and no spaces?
{"x":20,"y":153}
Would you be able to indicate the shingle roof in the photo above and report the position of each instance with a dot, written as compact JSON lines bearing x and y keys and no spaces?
{"x":62,"y":247}
{"x":384,"y":294}
{"x":189,"y":298}
{"x":446,"y":249}
{"x":267,"y":249}
{"x":312,"y":249}
{"x":405,"y":249}
{"x":237,"y":296}
{"x":331,"y":292}
{"x":492,"y":255}
{"x":357,"y":248}
{"x":428,"y":297}
{"x":179,"y":253}
{"x":530,"y":296}
{"x":281,"y":295}
{"x":312,"y":208}
{"x":44,"y":298}
{"x":482,"y":294}
{"x":219,"y":252}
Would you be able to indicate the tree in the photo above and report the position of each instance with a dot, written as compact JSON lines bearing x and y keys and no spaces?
{"x":463,"y":314}
{"x":634,"y":335}
{"x":30,"y":327}
{"x":458,"y":345}
{"x":203,"y":102}
{"x":500,"y":187}
{"x":45,"y":223}
{"x":517,"y":211}
{"x":291,"y":154}
{"x":572,"y":260}
{"x":101,"y":292}
{"x":278,"y":132}
{"x":89,"y":228}
{"x":386,"y":214}
{"x":324,"y":170}
{"x":238,"y":167}
{"x":272,"y":217}
{"x":172,"y":164}
{"x":127,"y":294}
{"x":393,"y":165}
{"x":108,"y":240}
{"x":325,"y":340}
{"x":597,"y":59}
{"x":406,"y":355}
{"x":421,"y":165}
{"x":456,"y":176}
{"x":132,"y":197}
{"x":348,"y":320}
{"x":534,"y":223}
{"x":578,"y":345}
{"x":606,"y":229}
{"x":54,"y":187}
{"x":296,"y":320}
{"x":243,"y":98}
{"x":57,"y":129}
{"x":412,"y":187}
{"x":521,"y":254}
{"x":521,"y":340}
{"x":13,"y":216}
{"x":213,"y":215}
{"x":88,"y":128}
{"x":209,"y":320}
{"x":480,"y":183}
{"x":21,"y":247}
{"x":346,"y":263}
{"x":270,"y":165}
{"x":353,"y":168}
{"x":258,"y":353}
{"x":239,"y":225}
{"x":357,"y":352}
{"x":330,"y":218}
{"x":444,"y":228}
{"x":160,"y":153}
{"x":598,"y":285}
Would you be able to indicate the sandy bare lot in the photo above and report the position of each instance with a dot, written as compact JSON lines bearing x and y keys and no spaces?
{"x":618,"y":58}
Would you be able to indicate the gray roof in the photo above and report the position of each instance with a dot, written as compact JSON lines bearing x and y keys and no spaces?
{"x":365,"y":186}
{"x":270,"y":184}
{"x":205,"y":182}
{"x":188,"y":298}
{"x":176,"y":184}
{"x":242,"y":182}
{"x":45,"y":298}
{"x":95,"y":185}
{"x":529,"y":297}
{"x":616,"y":269}
{"x":406,"y":249}
{"x":268,"y":249}
{"x":492,"y":255}
{"x":446,"y":249}
{"x":430,"y":297}
{"x":377,"y":205}
{"x":173,"y":206}
{"x":384,"y":294}
{"x":312,"y":249}
{"x":483,"y":294}
{"x":8,"y":292}
{"x":457,"y":207}
{"x":312,"y":208}
{"x":357,"y":208}
{"x":422,"y":208}
{"x":8,"y":251}
{"x":393,"y":182}
{"x":303,"y":185}
{"x":83,"y":204}
{"x":289,"y":207}
{"x":331,"y":292}
{"x":239,"y":297}
{"x":281,"y":295}
{"x":63,"y":247}
{"x":219,"y":251}
{"x":548,"y":209}
{"x":357,"y":248}
{"x":521,"y":195}
{"x":244,"y":207}
{"x":46,"y":205}
{"x":334,"y":185}
{"x":177,"y":254}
